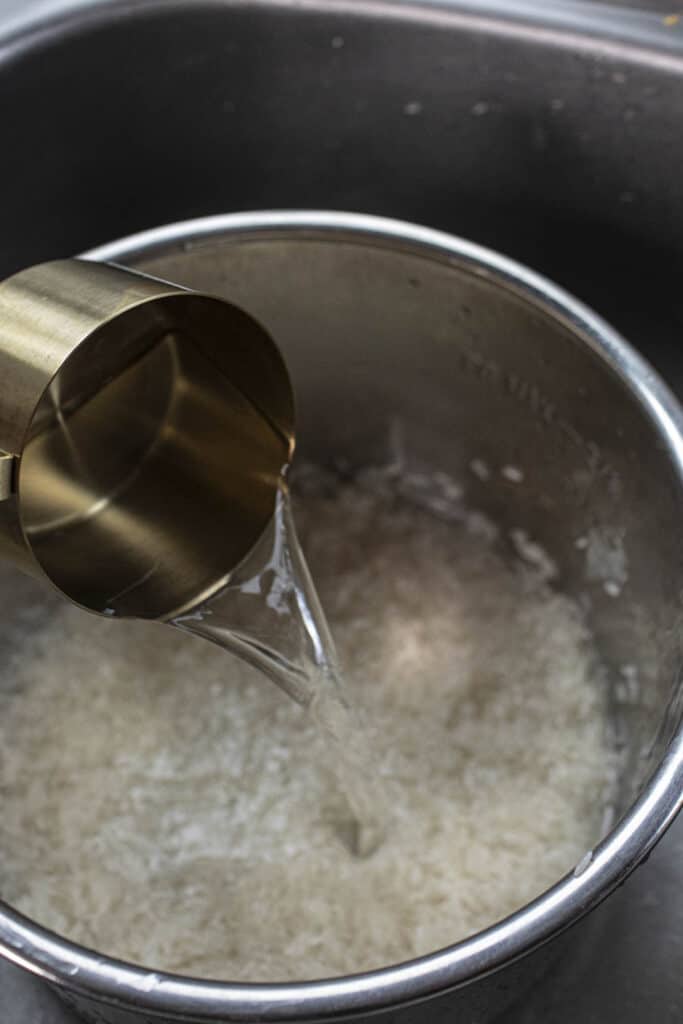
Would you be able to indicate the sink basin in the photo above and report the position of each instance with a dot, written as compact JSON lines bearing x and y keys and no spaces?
{"x":551,"y":135}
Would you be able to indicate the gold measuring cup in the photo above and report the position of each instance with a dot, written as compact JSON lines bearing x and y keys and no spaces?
{"x":143,"y":431}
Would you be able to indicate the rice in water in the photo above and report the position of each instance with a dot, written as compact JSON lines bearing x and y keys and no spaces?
{"x":169,"y":806}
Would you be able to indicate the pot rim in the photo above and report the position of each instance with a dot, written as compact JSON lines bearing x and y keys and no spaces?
{"x":113,"y":981}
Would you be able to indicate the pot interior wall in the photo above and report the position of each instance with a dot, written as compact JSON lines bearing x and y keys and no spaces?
{"x":393,"y":353}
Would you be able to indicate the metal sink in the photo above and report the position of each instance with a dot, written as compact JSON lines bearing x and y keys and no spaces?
{"x":552,"y":134}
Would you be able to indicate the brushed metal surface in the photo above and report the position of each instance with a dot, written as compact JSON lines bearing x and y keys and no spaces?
{"x":549,"y":134}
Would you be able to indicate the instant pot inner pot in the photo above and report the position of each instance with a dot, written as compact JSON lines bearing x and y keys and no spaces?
{"x":393,"y":352}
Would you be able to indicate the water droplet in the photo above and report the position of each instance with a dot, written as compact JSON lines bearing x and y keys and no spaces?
{"x":150,"y":982}
{"x":583,"y":864}
{"x":627,"y":197}
{"x":533,"y":554}
{"x":413,"y":108}
{"x":557,"y":105}
{"x":480,"y":108}
{"x":611,"y":588}
{"x":337,"y":42}
{"x":609,"y":816}
{"x":627,"y":689}
{"x":513,"y":474}
{"x":480,"y":469}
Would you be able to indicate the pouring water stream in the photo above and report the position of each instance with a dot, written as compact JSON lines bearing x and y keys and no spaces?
{"x":269,"y":615}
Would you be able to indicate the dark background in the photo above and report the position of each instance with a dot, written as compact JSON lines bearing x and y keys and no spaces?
{"x":551,"y":132}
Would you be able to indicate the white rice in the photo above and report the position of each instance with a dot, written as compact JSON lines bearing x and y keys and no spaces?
{"x":163,"y":803}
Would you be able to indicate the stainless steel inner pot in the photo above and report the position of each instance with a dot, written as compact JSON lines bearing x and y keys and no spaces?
{"x":391,"y":330}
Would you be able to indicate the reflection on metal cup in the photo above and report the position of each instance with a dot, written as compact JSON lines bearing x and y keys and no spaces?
{"x":143,"y":431}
